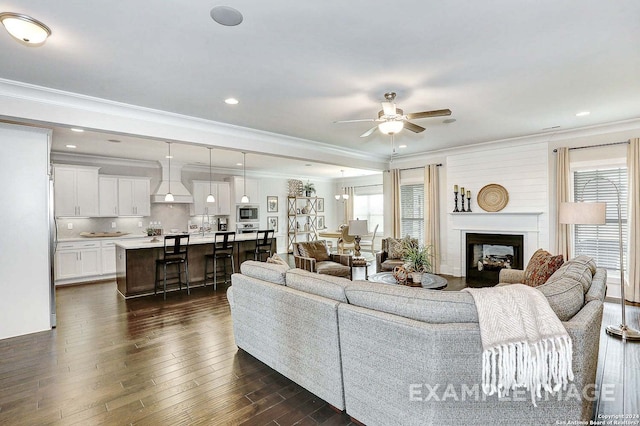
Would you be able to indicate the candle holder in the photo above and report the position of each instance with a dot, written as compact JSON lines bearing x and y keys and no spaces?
{"x":463,"y":210}
{"x":456,"y":199}
{"x":469,"y":204}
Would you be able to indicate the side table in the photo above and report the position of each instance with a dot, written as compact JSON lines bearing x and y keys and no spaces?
{"x":361,"y":262}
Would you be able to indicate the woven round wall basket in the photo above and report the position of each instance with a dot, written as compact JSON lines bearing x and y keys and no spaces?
{"x":493,"y":197}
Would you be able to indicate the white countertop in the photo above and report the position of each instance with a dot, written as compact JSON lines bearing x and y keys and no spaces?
{"x":121,"y":237}
{"x":194,"y":239}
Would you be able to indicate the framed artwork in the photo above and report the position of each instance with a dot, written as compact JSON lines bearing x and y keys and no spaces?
{"x":272,"y":203}
{"x":272,"y":223}
{"x":321,"y":204}
{"x":321,"y":222}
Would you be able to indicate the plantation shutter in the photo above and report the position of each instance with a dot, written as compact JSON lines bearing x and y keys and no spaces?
{"x":412,"y":211}
{"x":602,"y":241}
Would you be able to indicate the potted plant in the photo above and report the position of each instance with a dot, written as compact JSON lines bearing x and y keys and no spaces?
{"x":308,"y":189}
{"x":417,"y":258}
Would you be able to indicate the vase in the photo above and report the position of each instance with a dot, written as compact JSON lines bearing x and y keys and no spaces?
{"x":416,"y":277}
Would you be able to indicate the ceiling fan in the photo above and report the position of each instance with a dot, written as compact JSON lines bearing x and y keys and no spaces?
{"x":392,"y":120}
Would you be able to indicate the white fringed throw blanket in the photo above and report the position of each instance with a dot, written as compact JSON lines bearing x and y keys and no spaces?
{"x":524,"y":343}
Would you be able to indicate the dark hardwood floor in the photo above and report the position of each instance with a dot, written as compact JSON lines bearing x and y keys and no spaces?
{"x":150,"y":362}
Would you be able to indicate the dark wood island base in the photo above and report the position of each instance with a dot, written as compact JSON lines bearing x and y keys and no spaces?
{"x":136,"y":262}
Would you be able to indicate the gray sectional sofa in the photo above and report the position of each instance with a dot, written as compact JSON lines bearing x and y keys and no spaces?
{"x":394,"y":355}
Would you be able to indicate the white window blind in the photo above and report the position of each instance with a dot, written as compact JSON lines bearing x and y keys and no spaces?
{"x":412,"y":211}
{"x":602,"y":241}
{"x":368,"y":204}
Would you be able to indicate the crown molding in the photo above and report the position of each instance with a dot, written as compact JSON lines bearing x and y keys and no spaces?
{"x":96,"y":160}
{"x":45,"y":105}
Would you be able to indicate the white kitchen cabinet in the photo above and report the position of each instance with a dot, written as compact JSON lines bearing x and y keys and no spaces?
{"x":108,"y":257}
{"x":76,"y":191}
{"x":134,"y":197}
{"x":77,"y":259}
{"x":108,"y":191}
{"x":200,"y":206}
{"x":253,"y":190}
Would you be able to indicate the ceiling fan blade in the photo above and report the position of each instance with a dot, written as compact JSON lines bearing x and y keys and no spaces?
{"x":389,"y":108}
{"x":355,"y":121}
{"x":427,"y":114}
{"x":413,"y":127}
{"x":368,"y":132}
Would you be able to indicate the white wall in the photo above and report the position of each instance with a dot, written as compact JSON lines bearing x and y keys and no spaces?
{"x":24,"y":240}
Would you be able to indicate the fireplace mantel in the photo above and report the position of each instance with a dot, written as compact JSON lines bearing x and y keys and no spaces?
{"x":516,"y":223}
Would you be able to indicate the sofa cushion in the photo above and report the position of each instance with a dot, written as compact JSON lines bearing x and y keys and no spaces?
{"x":433,"y":306}
{"x":276,"y":259}
{"x":330,"y":267}
{"x":314,"y":249}
{"x":565,"y":296}
{"x":321,"y":285}
{"x":541,"y":266}
{"x":272,"y":272}
{"x":580,"y":268}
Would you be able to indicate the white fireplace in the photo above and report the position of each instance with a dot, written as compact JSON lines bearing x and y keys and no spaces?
{"x":512,"y":223}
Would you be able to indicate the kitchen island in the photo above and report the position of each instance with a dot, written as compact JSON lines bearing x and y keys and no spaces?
{"x":136,"y":261}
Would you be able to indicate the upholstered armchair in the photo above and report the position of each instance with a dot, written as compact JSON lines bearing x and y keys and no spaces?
{"x":391,"y":254}
{"x":314,"y":256}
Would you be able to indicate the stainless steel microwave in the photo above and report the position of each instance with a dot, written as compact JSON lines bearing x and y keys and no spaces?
{"x":248,"y":213}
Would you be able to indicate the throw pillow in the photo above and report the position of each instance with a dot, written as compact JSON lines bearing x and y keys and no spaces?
{"x":315,"y":249}
{"x":394,"y":248}
{"x":541,"y":266}
{"x":277,"y":260}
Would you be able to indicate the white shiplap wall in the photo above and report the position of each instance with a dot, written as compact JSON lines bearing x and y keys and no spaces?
{"x":522,"y":169}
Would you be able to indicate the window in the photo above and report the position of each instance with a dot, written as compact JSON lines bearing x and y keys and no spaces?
{"x":602,"y":241}
{"x":412,"y":211}
{"x":368,"y":204}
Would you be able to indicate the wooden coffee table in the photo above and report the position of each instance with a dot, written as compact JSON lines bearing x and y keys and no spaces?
{"x":429,"y":281}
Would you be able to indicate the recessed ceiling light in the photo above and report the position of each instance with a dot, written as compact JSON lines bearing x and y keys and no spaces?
{"x":75,"y":129}
{"x":24,"y":28}
{"x":168,"y":156}
{"x":402,"y":146}
{"x":71,"y":146}
{"x":113,"y":140}
{"x":231,"y":101}
{"x":227,"y":16}
{"x":582,"y":113}
{"x":238,"y":164}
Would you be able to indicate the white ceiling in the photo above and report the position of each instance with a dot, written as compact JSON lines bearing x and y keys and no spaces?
{"x":505,"y":68}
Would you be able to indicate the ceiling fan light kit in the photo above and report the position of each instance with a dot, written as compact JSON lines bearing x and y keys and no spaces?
{"x":392,"y":120}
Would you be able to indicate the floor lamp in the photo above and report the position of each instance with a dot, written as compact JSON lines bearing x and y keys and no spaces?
{"x":582,"y":213}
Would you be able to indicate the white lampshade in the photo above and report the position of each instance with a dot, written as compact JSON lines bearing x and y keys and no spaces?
{"x":337,"y":196}
{"x":244,"y":199}
{"x":168,"y":197}
{"x":582,"y":213}
{"x":25,"y":28}
{"x":211,"y":198}
{"x":358,"y":227}
{"x":391,"y":127}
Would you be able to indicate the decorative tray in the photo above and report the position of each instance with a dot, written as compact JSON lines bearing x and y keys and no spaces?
{"x":493,"y":197}
{"x":102,"y":234}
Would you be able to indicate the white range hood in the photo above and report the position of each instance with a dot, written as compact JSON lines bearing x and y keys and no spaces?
{"x":180,"y":193}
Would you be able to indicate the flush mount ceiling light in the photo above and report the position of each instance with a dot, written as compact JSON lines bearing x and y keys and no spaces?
{"x":391,"y":127}
{"x":24,"y":28}
{"x":71,"y":146}
{"x":227,"y":16}
{"x":210,"y":197}
{"x":231,"y":101}
{"x":583,"y":114}
{"x":169,"y":196}
{"x":77,"y":130}
{"x":245,"y":198}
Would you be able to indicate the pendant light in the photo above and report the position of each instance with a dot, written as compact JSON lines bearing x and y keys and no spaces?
{"x":210,"y":197}
{"x":245,"y":198}
{"x":169,"y":196}
{"x":344,"y":194}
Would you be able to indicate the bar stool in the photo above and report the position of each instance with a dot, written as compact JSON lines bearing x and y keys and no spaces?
{"x":222,"y":250}
{"x":264,"y":239}
{"x":176,"y":252}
